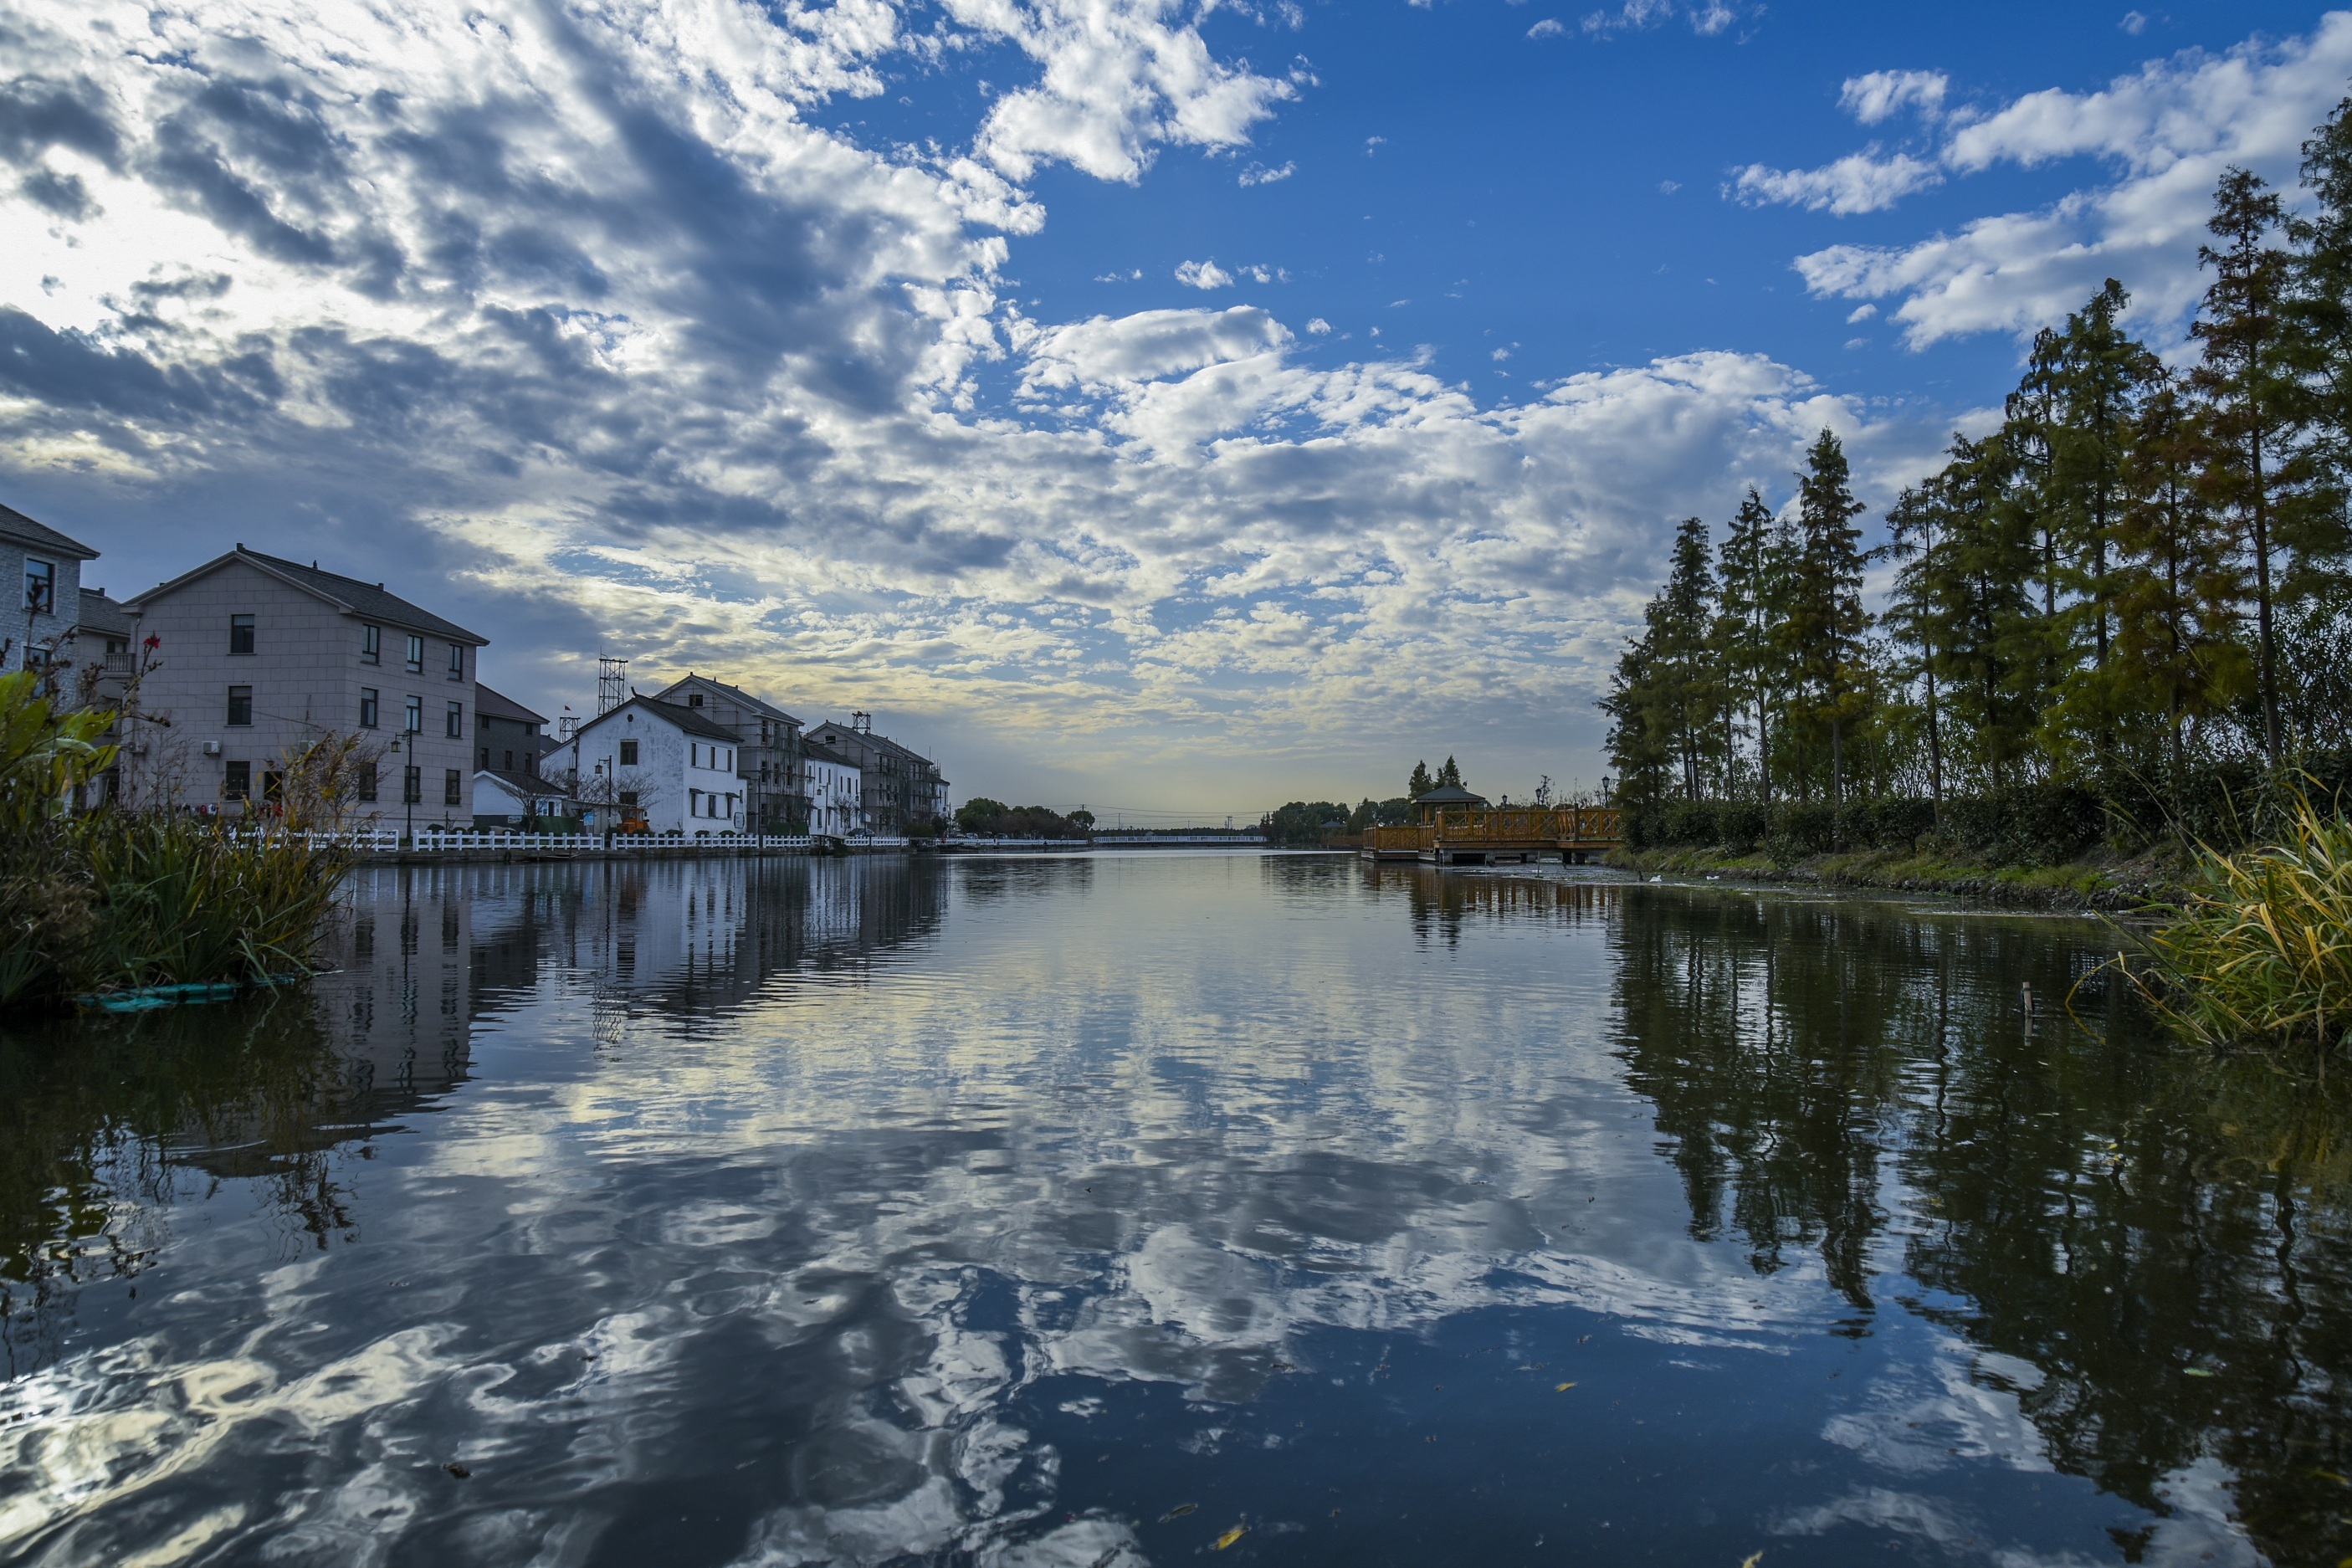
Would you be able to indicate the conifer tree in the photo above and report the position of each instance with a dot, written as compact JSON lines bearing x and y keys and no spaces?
{"x":1681,"y":621}
{"x":2256,"y":401}
{"x":1747,"y":593}
{"x":1450,"y":774}
{"x":1915,"y":526}
{"x":1825,"y":621}
{"x":2179,"y":587}
{"x":1420,"y":783}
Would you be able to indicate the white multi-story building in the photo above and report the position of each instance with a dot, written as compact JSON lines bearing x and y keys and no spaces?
{"x":250,"y":657}
{"x":664,"y":764}
{"x":836,"y":806}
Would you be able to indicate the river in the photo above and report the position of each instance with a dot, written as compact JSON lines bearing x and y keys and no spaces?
{"x":1109,"y":1211}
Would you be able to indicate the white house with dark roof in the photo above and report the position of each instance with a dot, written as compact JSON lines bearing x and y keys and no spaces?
{"x":47,"y":565}
{"x":256,"y":657}
{"x":776,"y":798}
{"x":663,"y":763}
{"x":836,"y":793}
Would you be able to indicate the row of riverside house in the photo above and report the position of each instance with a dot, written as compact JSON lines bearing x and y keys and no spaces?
{"x":223,"y":673}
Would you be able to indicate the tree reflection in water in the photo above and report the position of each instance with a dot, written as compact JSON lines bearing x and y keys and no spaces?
{"x":2160,"y":1237}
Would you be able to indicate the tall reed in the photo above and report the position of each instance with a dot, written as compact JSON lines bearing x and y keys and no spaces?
{"x":93,"y":900}
{"x":2260,"y":948}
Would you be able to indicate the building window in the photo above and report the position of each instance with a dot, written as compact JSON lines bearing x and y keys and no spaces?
{"x":457,"y":661}
{"x":415,"y":656}
{"x":240,"y":634}
{"x":40,"y":587}
{"x":273,"y":787}
{"x":412,"y":786}
{"x":508,"y":755}
{"x":368,"y":705}
{"x":237,"y":781}
{"x":485,"y":758}
{"x":367,"y":781}
{"x":629,"y":798}
{"x":694,"y":803}
{"x":413,"y":718}
{"x":456,"y":720}
{"x":453,"y":787}
{"x":240,"y":704}
{"x":370,"y":645}
{"x":628,"y":754}
{"x":694,"y":699}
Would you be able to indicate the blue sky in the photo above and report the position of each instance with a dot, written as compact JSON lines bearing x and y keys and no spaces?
{"x":1147,"y":406}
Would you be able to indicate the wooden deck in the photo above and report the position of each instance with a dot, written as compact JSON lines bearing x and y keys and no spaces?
{"x":1493,"y":836}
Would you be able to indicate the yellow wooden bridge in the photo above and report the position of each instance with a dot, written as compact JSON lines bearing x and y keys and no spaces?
{"x":1488,"y":836}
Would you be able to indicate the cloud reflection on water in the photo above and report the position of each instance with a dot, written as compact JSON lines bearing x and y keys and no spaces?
{"x":782,"y":1209}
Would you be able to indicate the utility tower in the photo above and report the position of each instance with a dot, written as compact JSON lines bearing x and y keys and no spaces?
{"x":612,"y":683}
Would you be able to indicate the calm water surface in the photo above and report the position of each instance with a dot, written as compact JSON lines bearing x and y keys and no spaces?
{"x":1086,"y":1212}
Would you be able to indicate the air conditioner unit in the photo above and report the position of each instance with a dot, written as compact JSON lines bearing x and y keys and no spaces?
{"x":212,"y":748}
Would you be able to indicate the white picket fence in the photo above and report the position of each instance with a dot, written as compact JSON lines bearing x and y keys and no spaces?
{"x":492,"y":841}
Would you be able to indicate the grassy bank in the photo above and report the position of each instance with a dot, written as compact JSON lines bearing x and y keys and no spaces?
{"x":2145,"y":883}
{"x":108,"y":899}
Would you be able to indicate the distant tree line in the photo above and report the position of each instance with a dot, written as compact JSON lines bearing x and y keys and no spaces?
{"x":2130,"y":602}
{"x":989,"y":818}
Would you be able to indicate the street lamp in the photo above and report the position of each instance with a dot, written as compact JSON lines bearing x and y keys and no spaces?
{"x":407,"y":796}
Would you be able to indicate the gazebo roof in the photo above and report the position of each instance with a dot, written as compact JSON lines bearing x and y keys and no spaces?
{"x":1448,"y":795}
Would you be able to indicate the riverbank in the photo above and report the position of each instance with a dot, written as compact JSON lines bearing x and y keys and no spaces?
{"x":2111,"y":885}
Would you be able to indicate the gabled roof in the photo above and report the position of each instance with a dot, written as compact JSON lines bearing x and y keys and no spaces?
{"x":760,"y":705}
{"x":1448,"y":795}
{"x":817,"y":751}
{"x":103,"y":614}
{"x":489,"y":704}
{"x":523,"y":784}
{"x":879,"y":742}
{"x":15,"y":525}
{"x":686,"y":719}
{"x":367,"y":601}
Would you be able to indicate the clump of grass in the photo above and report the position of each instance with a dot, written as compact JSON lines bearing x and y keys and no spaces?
{"x":2259,"y":952}
{"x":104,"y":900}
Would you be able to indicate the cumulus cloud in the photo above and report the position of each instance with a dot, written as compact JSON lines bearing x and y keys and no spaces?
{"x":1549,"y":27}
{"x":2166,"y":132}
{"x":1203,"y":275}
{"x":1882,"y":94}
{"x":1858,"y":183}
{"x":1706,"y":18}
{"x":1259,"y":174}
{"x":1118,"y":80}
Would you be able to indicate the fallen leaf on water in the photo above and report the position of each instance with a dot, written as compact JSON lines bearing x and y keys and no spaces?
{"x":1752,"y":1559}
{"x":2195,"y":1371}
{"x":1563,"y":1388}
{"x":1229,"y":1536}
{"x":457,"y":1470}
{"x":2332,"y":1476}
{"x":1179,"y":1511}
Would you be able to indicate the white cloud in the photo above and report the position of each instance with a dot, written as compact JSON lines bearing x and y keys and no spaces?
{"x":1117,"y":79}
{"x":1706,"y":17}
{"x":1861,"y":313}
{"x":1203,"y":275}
{"x":1858,"y":183}
{"x":1259,"y":174}
{"x":1320,"y":327}
{"x":1549,"y":27}
{"x":1668,"y":187}
{"x":2167,"y":130}
{"x":2132,"y":23}
{"x":1881,"y":94}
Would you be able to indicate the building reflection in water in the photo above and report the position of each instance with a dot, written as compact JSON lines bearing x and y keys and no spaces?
{"x":884,"y":1192}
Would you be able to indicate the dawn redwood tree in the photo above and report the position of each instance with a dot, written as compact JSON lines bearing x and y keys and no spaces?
{"x":2178,"y":585}
{"x":2103,"y":372}
{"x":1420,"y":783}
{"x":1748,"y":572}
{"x":1826,"y":623}
{"x":1913,"y":617}
{"x":2256,"y":401}
{"x":1681,"y":619}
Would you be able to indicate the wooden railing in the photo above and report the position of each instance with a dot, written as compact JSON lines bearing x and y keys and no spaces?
{"x":1570,"y":827}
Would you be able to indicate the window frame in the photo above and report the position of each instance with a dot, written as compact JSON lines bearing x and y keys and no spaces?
{"x":241,"y":629}
{"x":237,"y":780}
{"x":40,"y":587}
{"x":370,"y":644}
{"x":412,"y":785}
{"x":628,"y":758}
{"x":412,"y":716}
{"x":457,"y":661}
{"x":454,"y":723}
{"x":240,"y":701}
{"x":453,"y":787}
{"x":371,"y":708}
{"x":414,"y":661}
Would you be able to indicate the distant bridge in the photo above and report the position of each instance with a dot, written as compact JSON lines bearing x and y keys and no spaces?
{"x":1483,"y":836}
